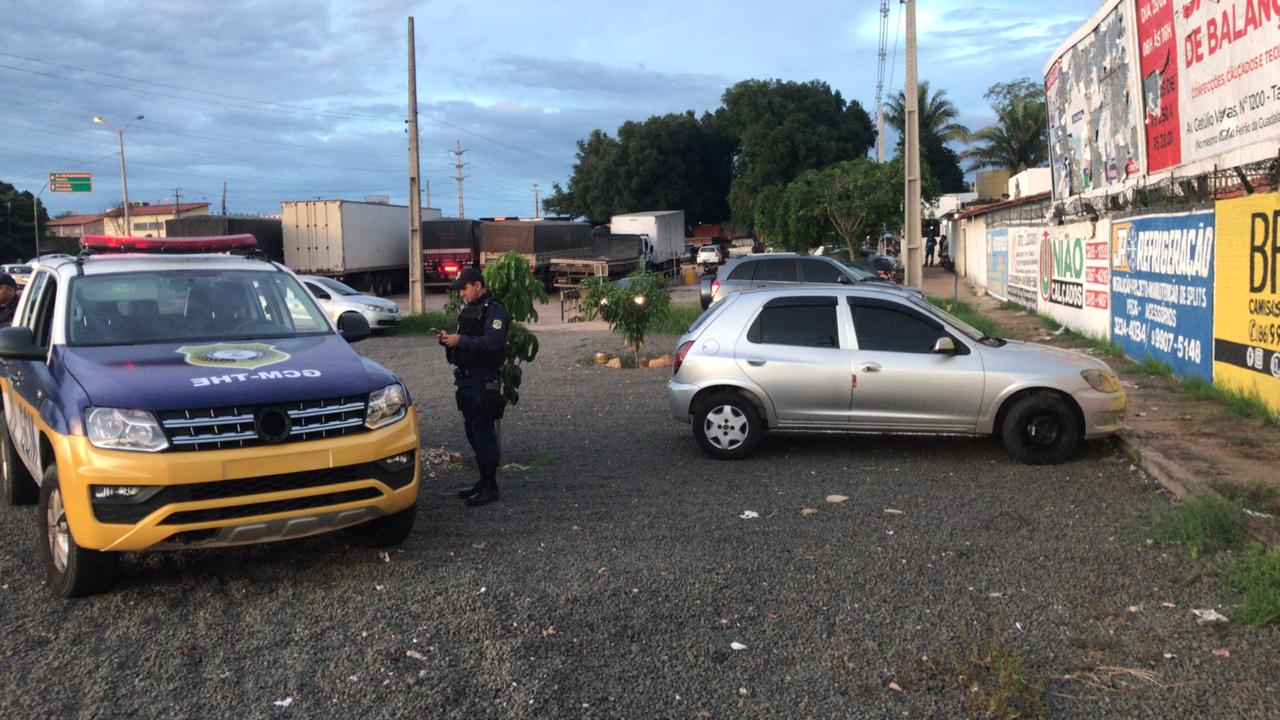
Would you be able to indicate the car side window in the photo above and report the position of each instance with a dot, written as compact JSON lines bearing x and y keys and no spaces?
{"x":886,"y":328}
{"x":777,"y":271}
{"x":317,"y":291}
{"x":744,"y":271}
{"x":42,"y":315}
{"x":804,"y":322}
{"x":818,"y":271}
{"x":32,"y":299}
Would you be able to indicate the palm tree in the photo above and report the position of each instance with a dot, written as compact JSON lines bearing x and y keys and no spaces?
{"x":937,"y":116}
{"x":1016,"y":142}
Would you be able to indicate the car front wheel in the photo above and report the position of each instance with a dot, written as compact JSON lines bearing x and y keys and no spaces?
{"x":73,"y":571}
{"x":387,"y":530}
{"x":1040,"y":429}
{"x":19,"y":487}
{"x":727,"y":426}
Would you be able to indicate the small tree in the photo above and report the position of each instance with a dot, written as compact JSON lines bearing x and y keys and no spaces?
{"x":630,"y":307}
{"x":516,"y":287}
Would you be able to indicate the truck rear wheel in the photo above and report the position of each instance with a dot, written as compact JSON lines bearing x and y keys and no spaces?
{"x":73,"y":571}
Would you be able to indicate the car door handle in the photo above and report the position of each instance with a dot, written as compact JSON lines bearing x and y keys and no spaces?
{"x":756,"y":362}
{"x":869,"y":367}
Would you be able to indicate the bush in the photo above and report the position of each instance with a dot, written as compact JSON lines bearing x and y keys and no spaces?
{"x":631,"y":307}
{"x":516,"y":287}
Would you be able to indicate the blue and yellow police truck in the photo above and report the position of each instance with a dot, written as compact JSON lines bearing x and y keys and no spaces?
{"x":172,"y":393}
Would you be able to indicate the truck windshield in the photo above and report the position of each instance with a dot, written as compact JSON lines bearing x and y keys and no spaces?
{"x":178,"y":306}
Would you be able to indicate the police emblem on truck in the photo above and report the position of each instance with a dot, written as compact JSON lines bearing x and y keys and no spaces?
{"x":244,"y":356}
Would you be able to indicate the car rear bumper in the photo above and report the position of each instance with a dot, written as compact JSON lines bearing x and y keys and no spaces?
{"x":236,"y":496}
{"x":1103,"y":412}
{"x":679,"y":398}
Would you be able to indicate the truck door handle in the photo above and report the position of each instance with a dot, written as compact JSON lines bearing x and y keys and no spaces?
{"x":869,"y":367}
{"x":756,"y":362}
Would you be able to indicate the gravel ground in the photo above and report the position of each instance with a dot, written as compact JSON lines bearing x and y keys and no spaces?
{"x":617,"y":571}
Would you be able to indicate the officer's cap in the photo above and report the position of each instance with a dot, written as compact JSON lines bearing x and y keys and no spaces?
{"x":468,"y":275}
{"x":7,"y":279}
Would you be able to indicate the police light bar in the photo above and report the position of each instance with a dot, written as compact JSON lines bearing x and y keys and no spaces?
{"x":213,"y":244}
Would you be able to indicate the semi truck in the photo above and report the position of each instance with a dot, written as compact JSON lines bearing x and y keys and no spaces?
{"x":363,"y":244}
{"x":610,"y":256}
{"x":663,"y":231}
{"x":537,"y":241}
{"x":266,"y":231}
{"x":448,"y":245}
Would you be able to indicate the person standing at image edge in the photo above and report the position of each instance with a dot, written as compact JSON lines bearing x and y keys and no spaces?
{"x":477,"y":351}
{"x":8,"y":299}
{"x":929,"y":246}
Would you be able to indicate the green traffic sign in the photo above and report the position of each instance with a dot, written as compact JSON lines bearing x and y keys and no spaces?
{"x":71,"y":182}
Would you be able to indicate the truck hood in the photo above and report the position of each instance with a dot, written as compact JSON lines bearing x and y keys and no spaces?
{"x":221,"y":374}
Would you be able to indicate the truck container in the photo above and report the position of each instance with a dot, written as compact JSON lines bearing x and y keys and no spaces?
{"x":610,"y":256}
{"x":538,"y":241}
{"x":266,"y":231}
{"x":663,"y":231}
{"x":365,"y":245}
{"x":448,"y":245}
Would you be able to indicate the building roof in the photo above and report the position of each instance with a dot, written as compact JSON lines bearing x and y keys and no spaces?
{"x":973,"y":210}
{"x":161,"y":209}
{"x":76,"y":219}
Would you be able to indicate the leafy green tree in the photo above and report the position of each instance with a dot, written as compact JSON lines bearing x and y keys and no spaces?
{"x":630,"y":307}
{"x":862,"y":196}
{"x":516,"y":287}
{"x":780,"y":129}
{"x":938,"y":126}
{"x":1019,"y":138}
{"x":17,"y":234}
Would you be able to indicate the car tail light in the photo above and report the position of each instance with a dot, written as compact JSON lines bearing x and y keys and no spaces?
{"x":450,"y":268}
{"x":715,"y":287}
{"x":680,"y":353}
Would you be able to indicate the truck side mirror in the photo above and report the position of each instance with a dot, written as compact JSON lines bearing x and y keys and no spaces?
{"x":17,"y":343}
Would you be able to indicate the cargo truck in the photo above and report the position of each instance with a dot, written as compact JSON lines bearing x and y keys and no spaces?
{"x":537,"y":241}
{"x":663,"y":231}
{"x":266,"y":231}
{"x":365,"y":245}
{"x":448,"y":245}
{"x":610,"y":256}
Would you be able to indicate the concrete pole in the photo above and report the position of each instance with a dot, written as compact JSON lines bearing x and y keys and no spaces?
{"x":912,"y":249}
{"x":416,"y":299}
{"x":124,"y":186}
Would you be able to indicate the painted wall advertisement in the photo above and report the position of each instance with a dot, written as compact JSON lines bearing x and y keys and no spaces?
{"x":1246,"y":326}
{"x":1158,"y":60}
{"x":1024,"y":264}
{"x":1162,"y":290}
{"x":1093,"y":128}
{"x":1075,"y":276}
{"x":998,"y":263}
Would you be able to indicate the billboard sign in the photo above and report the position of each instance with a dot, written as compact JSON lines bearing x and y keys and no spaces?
{"x":1024,"y":264}
{"x":998,"y":263}
{"x":1075,"y":276}
{"x":1246,"y":324}
{"x":1162,"y":290}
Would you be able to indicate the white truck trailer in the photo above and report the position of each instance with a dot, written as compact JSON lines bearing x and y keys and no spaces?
{"x":364,"y":244}
{"x":663,"y":231}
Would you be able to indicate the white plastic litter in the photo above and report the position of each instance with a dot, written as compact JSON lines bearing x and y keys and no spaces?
{"x":737,"y":645}
{"x":283,"y":703}
{"x":1209,"y":615}
{"x":749,"y":515}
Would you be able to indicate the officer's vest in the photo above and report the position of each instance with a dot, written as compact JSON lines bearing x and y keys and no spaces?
{"x":471,"y":321}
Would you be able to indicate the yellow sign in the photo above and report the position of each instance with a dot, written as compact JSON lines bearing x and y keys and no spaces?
{"x":1246,"y":299}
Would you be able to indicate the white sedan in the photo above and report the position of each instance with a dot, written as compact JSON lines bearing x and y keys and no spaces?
{"x":336,"y":299}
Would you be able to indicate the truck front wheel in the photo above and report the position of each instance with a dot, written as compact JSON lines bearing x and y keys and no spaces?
{"x":73,"y":571}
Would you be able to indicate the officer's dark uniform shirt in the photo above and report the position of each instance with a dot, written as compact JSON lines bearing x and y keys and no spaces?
{"x":482,"y":326}
{"x":6,"y":312}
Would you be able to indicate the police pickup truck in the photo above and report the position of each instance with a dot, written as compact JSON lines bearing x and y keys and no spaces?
{"x":167,"y":393}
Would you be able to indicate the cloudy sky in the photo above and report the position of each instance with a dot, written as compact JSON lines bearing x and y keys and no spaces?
{"x":293,"y":100}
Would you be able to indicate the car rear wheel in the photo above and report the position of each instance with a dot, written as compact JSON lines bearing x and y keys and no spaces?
{"x":73,"y":571}
{"x":19,"y":487}
{"x":1040,"y":429}
{"x":387,"y":530}
{"x":727,"y":426}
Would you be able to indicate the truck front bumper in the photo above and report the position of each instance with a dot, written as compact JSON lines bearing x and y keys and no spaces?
{"x":230,"y":497}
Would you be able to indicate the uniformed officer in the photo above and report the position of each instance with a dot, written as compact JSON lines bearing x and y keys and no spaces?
{"x":477,"y":350}
{"x":8,"y":299}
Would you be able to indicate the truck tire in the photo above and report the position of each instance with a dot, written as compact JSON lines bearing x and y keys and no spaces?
{"x":385,"y":531}
{"x":73,"y":571}
{"x":1040,"y":429}
{"x":19,"y":487}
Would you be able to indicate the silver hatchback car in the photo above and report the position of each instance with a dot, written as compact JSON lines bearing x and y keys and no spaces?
{"x":864,"y":359}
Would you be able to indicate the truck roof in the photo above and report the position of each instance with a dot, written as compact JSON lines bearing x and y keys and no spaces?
{"x":649,"y":213}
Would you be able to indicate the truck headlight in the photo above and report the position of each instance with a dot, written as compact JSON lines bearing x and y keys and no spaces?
{"x":386,"y":406}
{"x":1103,"y":381}
{"x":116,"y":429}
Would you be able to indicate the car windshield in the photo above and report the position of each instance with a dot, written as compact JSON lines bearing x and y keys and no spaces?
{"x":184,"y":305}
{"x":17,"y":269}
{"x":335,"y":286}
{"x":970,"y":331}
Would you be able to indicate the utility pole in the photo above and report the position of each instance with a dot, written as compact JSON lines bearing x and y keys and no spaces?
{"x":911,"y":148}
{"x":459,"y":165}
{"x":224,"y":197}
{"x":35,"y":216}
{"x":884,"y":40}
{"x":426,"y":185}
{"x":416,"y":304}
{"x":177,"y":203}
{"x":536,"y":211}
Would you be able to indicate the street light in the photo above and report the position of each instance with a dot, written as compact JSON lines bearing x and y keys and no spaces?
{"x":124,"y":179}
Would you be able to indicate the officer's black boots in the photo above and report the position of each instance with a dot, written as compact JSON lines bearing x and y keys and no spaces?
{"x":466,"y":493}
{"x":488,"y":487}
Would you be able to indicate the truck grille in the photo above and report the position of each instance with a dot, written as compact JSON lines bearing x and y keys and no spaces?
{"x":234,"y":427}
